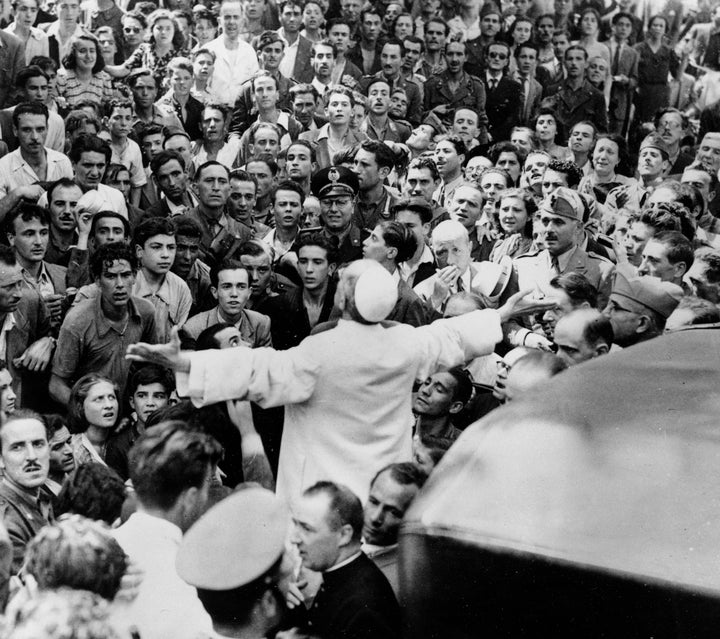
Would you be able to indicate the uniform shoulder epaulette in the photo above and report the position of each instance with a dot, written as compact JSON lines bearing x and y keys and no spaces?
{"x":525,"y":255}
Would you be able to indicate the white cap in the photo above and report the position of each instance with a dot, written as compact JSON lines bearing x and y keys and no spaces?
{"x":93,"y":202}
{"x":376,"y":294}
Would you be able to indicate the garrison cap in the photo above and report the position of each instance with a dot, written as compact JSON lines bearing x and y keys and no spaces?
{"x":335,"y":180}
{"x":656,"y":142}
{"x":235,"y":542}
{"x":650,"y":292}
{"x":565,"y":203}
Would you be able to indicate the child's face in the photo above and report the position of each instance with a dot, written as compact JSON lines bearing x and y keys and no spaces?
{"x":120,"y":122}
{"x":157,"y":254}
{"x":147,"y":399}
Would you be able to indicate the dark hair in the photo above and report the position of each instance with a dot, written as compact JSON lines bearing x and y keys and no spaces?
{"x":87,"y":143}
{"x":163,"y":14}
{"x":710,"y":257}
{"x":112,"y":214}
{"x":319,"y":240}
{"x":150,"y":228}
{"x":136,"y":74}
{"x":567,"y":168}
{"x":577,"y":287}
{"x":344,"y":507}
{"x":44,"y":62}
{"x":109,"y":253}
{"x":151,"y":374}
{"x":112,"y":171}
{"x":77,"y":553}
{"x":703,"y":311}
{"x":506,"y":147}
{"x":77,"y":118}
{"x":206,"y":339}
{"x":225,"y":265}
{"x":438,"y":20}
{"x":186,"y":226}
{"x":463,"y":384}
{"x":620,"y":15}
{"x":559,"y":127}
{"x":399,"y":236}
{"x":207,"y":165}
{"x":62,"y":183}
{"x":623,"y":167}
{"x":264,"y":75}
{"x":137,"y":16}
{"x":372,"y":11}
{"x":300,"y":89}
{"x":598,"y":330}
{"x":304,"y":143}
{"x":28,"y":108}
{"x":679,"y":248}
{"x":457,"y":142}
{"x":163,"y":157}
{"x":70,"y":60}
{"x":26,"y":212}
{"x":384,"y":157}
{"x":403,"y":473}
{"x":288,"y":185}
{"x":324,"y":43}
{"x":54,"y":423}
{"x":168,"y":459}
{"x":417,"y":205}
{"x":93,"y":491}
{"x":575,"y":47}
{"x":513,"y":26}
{"x":109,"y":106}
{"x":265,"y":158}
{"x":77,"y":422}
{"x":28,"y":73}
{"x":396,"y":42}
{"x":426,"y":163}
{"x":527,"y":199}
{"x":526,"y":45}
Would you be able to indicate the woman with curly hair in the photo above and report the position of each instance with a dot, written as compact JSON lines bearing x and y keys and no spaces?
{"x":93,"y":412}
{"x":513,"y":220}
{"x":166,"y":42}
{"x":84,"y":77}
{"x":548,"y":130}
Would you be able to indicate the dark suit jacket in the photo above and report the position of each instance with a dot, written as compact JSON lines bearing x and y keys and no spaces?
{"x":503,"y":106}
{"x":355,"y":602}
{"x":12,"y":60}
{"x":409,"y":308}
{"x":57,"y":276}
{"x":621,"y":94}
{"x":302,"y":71}
{"x":354,"y":55}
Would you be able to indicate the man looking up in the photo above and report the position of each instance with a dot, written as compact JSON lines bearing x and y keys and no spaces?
{"x":287,"y":212}
{"x":235,"y":59}
{"x":372,"y":164}
{"x":62,"y":457}
{"x":32,"y":162}
{"x":439,"y":397}
{"x":25,"y":462}
{"x":450,"y":154}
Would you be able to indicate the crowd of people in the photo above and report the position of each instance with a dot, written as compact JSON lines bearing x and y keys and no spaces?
{"x":264,"y":262}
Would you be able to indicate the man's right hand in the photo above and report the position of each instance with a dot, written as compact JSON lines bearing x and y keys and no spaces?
{"x":30,"y":192}
{"x":166,"y":355}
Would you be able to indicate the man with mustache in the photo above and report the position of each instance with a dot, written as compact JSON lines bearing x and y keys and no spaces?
{"x":25,"y":462}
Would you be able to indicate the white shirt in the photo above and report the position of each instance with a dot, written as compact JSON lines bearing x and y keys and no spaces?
{"x":165,"y":606}
{"x":232,"y":68}
{"x":36,"y":44}
{"x":287,"y":64}
{"x":7,"y":326}
{"x":16,"y":172}
{"x":131,"y":158}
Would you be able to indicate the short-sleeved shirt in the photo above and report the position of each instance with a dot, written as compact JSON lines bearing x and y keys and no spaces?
{"x":172,"y":302}
{"x":99,"y":89}
{"x":90,"y":343}
{"x":131,"y":158}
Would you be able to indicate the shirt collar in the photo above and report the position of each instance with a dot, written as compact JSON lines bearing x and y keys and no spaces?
{"x":104,"y":325}
{"x":345,"y":562}
{"x":142,"y":288}
{"x":158,"y":526}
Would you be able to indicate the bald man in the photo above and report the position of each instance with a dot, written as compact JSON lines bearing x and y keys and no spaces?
{"x":582,"y":335}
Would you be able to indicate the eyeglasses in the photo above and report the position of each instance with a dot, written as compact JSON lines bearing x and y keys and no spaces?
{"x":499,"y":56}
{"x":672,"y":125}
{"x":131,"y":29}
{"x":340,"y":202}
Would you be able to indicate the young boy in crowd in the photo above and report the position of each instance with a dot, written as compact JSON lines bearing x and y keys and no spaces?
{"x":125,"y":151}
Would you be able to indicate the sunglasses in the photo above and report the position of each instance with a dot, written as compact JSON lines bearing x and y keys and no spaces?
{"x":499,"y":56}
{"x":131,"y":29}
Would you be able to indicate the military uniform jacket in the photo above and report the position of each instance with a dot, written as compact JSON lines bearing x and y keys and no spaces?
{"x":587,"y":103}
{"x":535,"y":270}
{"x":23,"y":516}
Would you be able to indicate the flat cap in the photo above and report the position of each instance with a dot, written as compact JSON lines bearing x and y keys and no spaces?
{"x":565,"y":203}
{"x":235,"y":542}
{"x":650,"y":292}
{"x":335,"y":180}
{"x":655,"y":141}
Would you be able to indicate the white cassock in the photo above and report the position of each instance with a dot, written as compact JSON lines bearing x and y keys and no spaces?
{"x":346,"y":391}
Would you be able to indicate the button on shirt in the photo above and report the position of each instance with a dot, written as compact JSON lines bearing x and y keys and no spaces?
{"x":287,"y":64}
{"x":172,"y":302}
{"x":16,"y":172}
{"x":43,"y":284}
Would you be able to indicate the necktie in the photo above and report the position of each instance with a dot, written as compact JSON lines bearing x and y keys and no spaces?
{"x":616,"y":59}
{"x":493,"y":84}
{"x":459,"y":285}
{"x":555,"y":264}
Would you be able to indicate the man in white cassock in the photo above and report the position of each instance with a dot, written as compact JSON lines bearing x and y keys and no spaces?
{"x":347,"y":390}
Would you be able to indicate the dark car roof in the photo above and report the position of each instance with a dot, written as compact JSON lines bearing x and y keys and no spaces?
{"x":613,"y":465}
